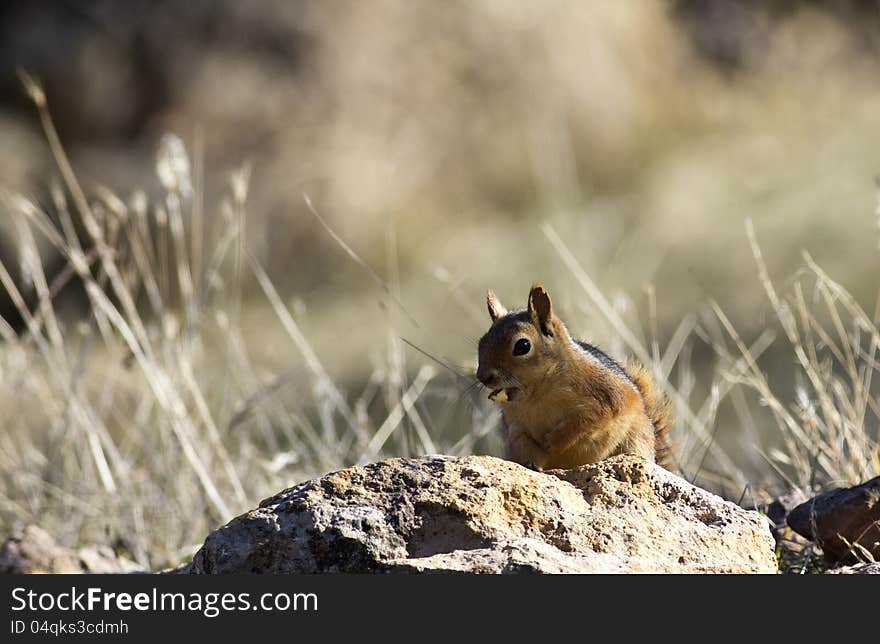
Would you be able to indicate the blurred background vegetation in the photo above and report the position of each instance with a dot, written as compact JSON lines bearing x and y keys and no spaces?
{"x":448,"y":144}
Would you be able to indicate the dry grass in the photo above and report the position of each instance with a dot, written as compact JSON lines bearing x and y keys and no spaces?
{"x":149,"y":421}
{"x":829,"y":432}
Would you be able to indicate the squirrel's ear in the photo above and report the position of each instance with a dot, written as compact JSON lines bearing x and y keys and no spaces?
{"x":540,"y":309}
{"x":496,"y":310}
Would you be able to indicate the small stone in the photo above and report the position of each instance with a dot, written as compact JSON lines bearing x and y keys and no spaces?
{"x":844,"y":522}
{"x":31,"y":550}
{"x":872,"y":568}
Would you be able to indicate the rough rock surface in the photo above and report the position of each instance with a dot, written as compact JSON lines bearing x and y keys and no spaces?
{"x":31,"y":550}
{"x":483,"y":514}
{"x":858,"y":569}
{"x":841,"y":517}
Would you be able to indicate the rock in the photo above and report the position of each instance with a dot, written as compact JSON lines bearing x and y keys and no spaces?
{"x":32,"y":550}
{"x":102,"y":559}
{"x":840,"y":517}
{"x":483,"y":514}
{"x":872,"y":568}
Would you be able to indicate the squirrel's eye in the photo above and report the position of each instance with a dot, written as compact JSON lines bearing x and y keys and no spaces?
{"x":522,"y":347}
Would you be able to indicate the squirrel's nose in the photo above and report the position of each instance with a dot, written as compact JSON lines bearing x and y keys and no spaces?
{"x":488,"y":377}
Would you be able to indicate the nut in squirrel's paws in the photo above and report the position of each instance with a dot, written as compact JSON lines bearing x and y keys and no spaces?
{"x":503,"y":395}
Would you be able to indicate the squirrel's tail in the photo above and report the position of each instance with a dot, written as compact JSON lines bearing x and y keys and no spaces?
{"x":658,"y":410}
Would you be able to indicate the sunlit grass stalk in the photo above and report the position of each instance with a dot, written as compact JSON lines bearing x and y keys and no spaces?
{"x":682,"y":407}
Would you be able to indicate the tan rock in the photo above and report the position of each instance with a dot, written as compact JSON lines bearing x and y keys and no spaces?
{"x":32,"y":550}
{"x":483,"y":514}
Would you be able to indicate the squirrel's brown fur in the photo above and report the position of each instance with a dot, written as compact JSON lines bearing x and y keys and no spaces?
{"x":566,"y":403}
{"x":657,"y":408}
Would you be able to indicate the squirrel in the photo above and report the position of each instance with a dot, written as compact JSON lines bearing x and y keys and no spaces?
{"x":564,"y":402}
